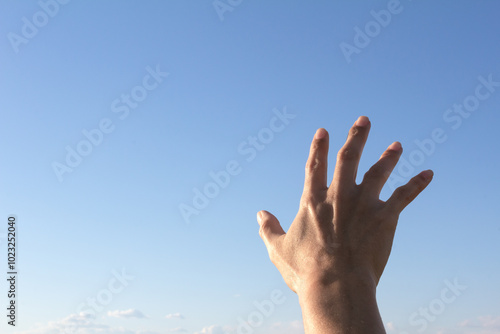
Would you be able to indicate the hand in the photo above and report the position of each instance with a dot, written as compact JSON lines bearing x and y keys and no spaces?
{"x":342,"y":236}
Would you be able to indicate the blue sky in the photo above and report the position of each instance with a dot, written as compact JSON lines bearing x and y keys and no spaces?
{"x":117,"y":115}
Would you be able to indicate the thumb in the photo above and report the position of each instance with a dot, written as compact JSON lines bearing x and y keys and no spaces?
{"x":270,"y":228}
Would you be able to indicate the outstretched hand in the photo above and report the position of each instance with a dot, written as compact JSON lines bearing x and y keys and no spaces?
{"x":343,"y":233}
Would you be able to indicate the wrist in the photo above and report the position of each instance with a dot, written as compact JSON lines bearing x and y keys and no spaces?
{"x":352,"y":287}
{"x":352,"y":283}
{"x":346,"y":305}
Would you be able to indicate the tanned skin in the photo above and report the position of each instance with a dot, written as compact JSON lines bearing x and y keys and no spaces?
{"x":339,"y":243}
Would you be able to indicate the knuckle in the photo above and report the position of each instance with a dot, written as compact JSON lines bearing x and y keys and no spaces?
{"x":313,"y":164}
{"x":348,"y":154}
{"x":261,"y":232}
{"x":307,"y":201}
{"x":264,"y":225}
{"x":314,"y":161}
{"x":310,"y":199}
{"x":385,"y":221}
{"x":273,"y":256}
{"x":416,"y":186}
{"x":377,"y":171}
{"x":355,"y":131}
{"x":400,"y":193}
{"x":316,"y":208}
{"x":405,"y":194}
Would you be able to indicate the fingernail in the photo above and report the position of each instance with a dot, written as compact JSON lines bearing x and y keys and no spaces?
{"x":362,"y":121}
{"x":259,"y":217}
{"x":396,"y":146}
{"x":427,"y":174}
{"x":321,"y":133}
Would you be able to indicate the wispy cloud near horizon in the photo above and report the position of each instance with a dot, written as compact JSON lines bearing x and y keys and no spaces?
{"x":131,"y":313}
{"x":175,"y":316}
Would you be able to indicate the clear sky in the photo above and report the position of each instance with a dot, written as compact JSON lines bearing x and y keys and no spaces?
{"x":140,"y":138}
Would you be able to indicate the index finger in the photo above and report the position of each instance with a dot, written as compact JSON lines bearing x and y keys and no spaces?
{"x":317,"y":163}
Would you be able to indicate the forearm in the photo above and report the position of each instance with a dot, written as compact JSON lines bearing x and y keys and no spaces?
{"x":347,"y":306}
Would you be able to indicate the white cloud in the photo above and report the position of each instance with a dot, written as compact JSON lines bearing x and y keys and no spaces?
{"x":132,"y":313}
{"x":482,"y":325}
{"x":294,"y":327}
{"x":175,"y":316}
{"x":177,"y":330}
{"x":490,"y":321}
{"x":81,"y":323}
{"x":390,"y":326}
{"x":214,"y":329}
